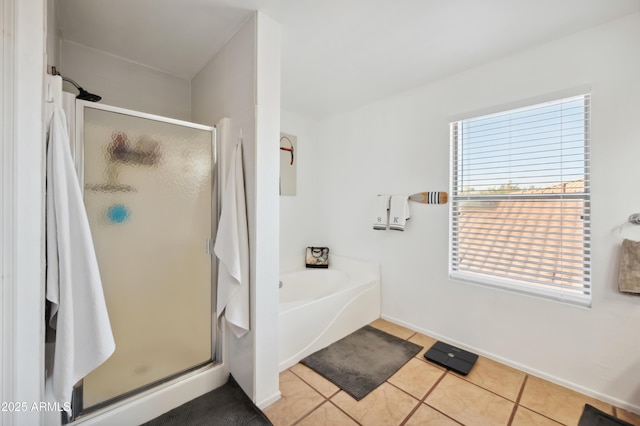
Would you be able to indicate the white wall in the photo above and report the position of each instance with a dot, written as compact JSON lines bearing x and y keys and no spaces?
{"x":21,"y":217}
{"x":298,"y":213}
{"x":225,"y":87}
{"x":124,"y":83}
{"x":239,"y":84}
{"x":401,"y":145}
{"x":267,"y":210}
{"x":53,"y":36}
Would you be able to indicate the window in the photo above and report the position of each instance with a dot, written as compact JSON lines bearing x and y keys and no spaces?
{"x":520,"y":203}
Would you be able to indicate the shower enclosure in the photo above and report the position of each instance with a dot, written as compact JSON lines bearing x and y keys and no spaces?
{"x":148,"y":190}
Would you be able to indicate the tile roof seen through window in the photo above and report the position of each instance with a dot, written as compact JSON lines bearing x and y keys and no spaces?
{"x":500,"y":236}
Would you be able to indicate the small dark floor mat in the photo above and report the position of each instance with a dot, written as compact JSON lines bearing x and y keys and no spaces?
{"x":227,"y":405}
{"x":362,"y":361}
{"x":591,"y":416}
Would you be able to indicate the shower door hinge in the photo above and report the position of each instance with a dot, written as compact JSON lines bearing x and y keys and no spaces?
{"x":210,"y":246}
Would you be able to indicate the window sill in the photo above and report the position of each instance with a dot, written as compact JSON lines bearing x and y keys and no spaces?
{"x":578,"y":300}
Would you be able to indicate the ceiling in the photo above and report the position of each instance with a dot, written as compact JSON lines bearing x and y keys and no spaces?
{"x":336,"y":54}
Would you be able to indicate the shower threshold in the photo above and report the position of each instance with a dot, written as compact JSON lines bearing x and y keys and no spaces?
{"x":144,"y":392}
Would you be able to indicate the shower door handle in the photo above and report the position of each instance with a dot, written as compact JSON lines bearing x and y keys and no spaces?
{"x":210,"y":246}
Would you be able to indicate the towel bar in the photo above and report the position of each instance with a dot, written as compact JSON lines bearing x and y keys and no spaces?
{"x":634,"y":219}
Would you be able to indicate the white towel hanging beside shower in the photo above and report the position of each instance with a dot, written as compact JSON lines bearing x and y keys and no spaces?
{"x":232,"y":248}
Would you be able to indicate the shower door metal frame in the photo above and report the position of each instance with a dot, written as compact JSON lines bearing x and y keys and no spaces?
{"x":77,"y":151}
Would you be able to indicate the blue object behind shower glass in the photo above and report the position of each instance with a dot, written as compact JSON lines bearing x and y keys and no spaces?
{"x":117,"y":213}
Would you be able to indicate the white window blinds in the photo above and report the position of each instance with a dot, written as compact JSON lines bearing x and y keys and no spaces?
{"x":520,"y":204}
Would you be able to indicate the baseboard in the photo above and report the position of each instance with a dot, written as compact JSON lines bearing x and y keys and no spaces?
{"x":268,"y":401}
{"x":541,"y":374}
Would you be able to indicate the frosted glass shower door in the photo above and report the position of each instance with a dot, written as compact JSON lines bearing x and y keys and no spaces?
{"x":148,"y":194}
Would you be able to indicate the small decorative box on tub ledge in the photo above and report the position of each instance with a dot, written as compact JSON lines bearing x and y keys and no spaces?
{"x":321,"y":306}
{"x":317,"y":257}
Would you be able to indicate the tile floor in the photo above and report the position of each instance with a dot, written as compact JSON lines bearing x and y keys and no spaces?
{"x":422,"y":393}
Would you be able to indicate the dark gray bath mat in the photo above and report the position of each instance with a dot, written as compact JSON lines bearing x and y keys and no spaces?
{"x":591,"y":416}
{"x":362,"y":361}
{"x":226,"y":406}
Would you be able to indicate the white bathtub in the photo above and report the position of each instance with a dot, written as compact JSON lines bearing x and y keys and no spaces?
{"x":320,"y":306}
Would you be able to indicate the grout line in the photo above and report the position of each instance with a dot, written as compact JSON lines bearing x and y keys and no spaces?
{"x":424,"y":400}
{"x":324,"y":398}
{"x":414,"y":409}
{"x":440,"y":379}
{"x":464,"y":378}
{"x":344,"y":412}
{"x":433,"y":364}
{"x":397,"y":387}
{"x":530,"y":408}
{"x":402,"y":390}
{"x":313,"y":387}
{"x":517,"y":401}
{"x":333,"y":394}
{"x":309,"y":413}
{"x":389,"y":332}
{"x":411,"y":413}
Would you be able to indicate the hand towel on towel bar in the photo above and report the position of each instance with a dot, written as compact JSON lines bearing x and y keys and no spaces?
{"x":232,"y":248}
{"x":629,"y":275}
{"x":381,"y":215}
{"x":398,"y":212}
{"x":84,"y":339}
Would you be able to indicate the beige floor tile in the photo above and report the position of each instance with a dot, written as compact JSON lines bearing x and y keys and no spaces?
{"x":557,"y":402}
{"x":316,"y":381}
{"x":484,"y":397}
{"x":423,"y":340}
{"x":628,"y":416}
{"x":496,"y":377}
{"x":416,"y":377}
{"x":427,"y":416}
{"x":526,"y":417}
{"x":468,"y":403}
{"x":298,"y":399}
{"x":327,"y":415}
{"x":392,"y":328}
{"x":386,"y":405}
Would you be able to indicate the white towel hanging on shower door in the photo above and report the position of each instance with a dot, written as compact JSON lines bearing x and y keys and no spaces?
{"x":78,"y":312}
{"x":232,"y":248}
